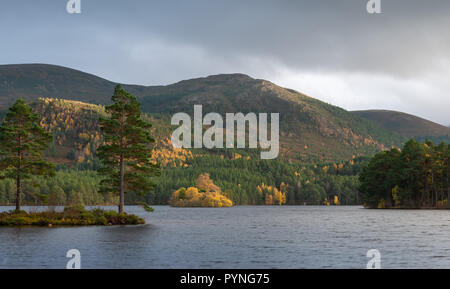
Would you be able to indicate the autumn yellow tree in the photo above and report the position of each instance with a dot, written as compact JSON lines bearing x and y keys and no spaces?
{"x":205,"y":194}
{"x":272,"y":195}
{"x":205,"y":183}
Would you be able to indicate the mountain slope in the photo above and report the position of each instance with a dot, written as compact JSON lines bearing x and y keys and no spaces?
{"x":404,"y":124}
{"x":311,"y":130}
{"x":76,"y":133}
{"x":32,"y":81}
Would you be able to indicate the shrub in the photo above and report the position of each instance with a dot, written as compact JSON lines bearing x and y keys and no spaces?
{"x":18,"y":221}
{"x":74,"y":215}
{"x":75,"y":211}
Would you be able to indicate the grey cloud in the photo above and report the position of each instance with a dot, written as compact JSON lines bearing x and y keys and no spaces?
{"x":159,"y":42}
{"x":410,"y":37}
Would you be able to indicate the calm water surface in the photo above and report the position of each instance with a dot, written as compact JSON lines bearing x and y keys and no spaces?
{"x":240,"y":237}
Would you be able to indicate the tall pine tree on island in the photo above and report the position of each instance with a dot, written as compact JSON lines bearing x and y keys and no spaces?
{"x":22,"y":145}
{"x":127,"y":150}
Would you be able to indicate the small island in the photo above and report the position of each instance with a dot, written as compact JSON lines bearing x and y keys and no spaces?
{"x":204,"y":194}
{"x":71,"y":216}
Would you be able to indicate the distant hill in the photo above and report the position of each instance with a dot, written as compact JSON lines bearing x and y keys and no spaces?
{"x":311,"y":130}
{"x":404,"y":124}
{"x":32,"y":81}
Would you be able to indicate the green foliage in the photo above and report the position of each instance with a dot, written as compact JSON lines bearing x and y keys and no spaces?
{"x":126,"y":153}
{"x":67,"y":187}
{"x":22,"y":144}
{"x":377,"y":178}
{"x":239,"y":178}
{"x":145,"y":206}
{"x":416,"y":177}
{"x":307,"y":183}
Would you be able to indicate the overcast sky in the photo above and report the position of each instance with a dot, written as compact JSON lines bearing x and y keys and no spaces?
{"x":331,"y":50}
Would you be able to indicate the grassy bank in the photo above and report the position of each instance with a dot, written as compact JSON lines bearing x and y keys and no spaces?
{"x":71,"y":216}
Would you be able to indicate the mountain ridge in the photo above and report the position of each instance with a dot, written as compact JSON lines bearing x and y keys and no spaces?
{"x":310,"y":129}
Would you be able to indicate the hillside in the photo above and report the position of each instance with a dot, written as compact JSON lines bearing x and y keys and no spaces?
{"x":76,"y":133}
{"x":404,"y":124}
{"x":311,"y":130}
{"x":32,"y":81}
{"x":239,"y":173}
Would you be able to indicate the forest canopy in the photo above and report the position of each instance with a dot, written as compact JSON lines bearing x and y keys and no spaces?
{"x":415,"y":177}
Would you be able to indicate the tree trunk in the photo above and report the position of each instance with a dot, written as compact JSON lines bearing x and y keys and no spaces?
{"x":122,"y":193}
{"x":19,"y":181}
{"x":448,"y":188}
{"x":19,"y":193}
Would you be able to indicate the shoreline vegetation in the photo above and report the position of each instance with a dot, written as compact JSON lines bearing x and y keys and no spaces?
{"x":415,"y":177}
{"x":71,"y":216}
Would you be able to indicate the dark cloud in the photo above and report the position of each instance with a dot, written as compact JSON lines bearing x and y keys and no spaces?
{"x":154,"y":42}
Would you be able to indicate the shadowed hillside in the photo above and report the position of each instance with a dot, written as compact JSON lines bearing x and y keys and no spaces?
{"x":404,"y":124}
{"x":32,"y":81}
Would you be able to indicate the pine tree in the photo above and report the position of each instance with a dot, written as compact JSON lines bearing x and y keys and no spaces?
{"x":22,"y":145}
{"x":127,"y":150}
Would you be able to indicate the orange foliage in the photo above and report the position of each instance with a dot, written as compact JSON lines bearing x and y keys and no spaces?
{"x":206,"y":194}
{"x":272,"y":195}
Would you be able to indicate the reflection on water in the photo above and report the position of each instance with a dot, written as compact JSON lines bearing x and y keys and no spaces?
{"x":240,"y":237}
